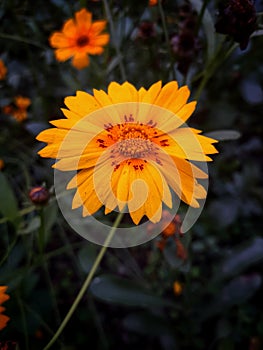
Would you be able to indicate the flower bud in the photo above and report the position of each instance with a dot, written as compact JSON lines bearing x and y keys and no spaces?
{"x":39,"y":195}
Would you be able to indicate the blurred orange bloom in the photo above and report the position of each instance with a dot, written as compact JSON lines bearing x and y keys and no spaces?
{"x":22,"y":102}
{"x":18,"y":110}
{"x":79,"y":38}
{"x":153,"y":2}
{"x":3,"y":70}
{"x":177,"y":288}
{"x":2,"y":164}
{"x":172,"y":228}
{"x":3,"y":297}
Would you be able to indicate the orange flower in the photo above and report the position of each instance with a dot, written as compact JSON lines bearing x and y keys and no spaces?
{"x":3,"y":70}
{"x":177,"y":288}
{"x":79,"y":38}
{"x":3,"y":297}
{"x":19,"y":111}
{"x":171,"y":228}
{"x":22,"y":102}
{"x":2,"y":164}
{"x":153,"y":2}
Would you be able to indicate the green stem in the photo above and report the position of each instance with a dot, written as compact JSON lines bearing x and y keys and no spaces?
{"x":114,"y":40}
{"x":42,"y":243}
{"x":167,"y":40}
{"x":22,"y":40}
{"x":41,"y":232}
{"x":21,"y":212}
{"x":9,"y":249}
{"x":201,"y":15}
{"x":39,"y":319}
{"x":86,"y":282}
{"x":23,"y":318}
{"x":28,"y":210}
{"x":223,"y":54}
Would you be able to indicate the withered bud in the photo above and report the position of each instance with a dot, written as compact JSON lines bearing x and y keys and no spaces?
{"x":237,"y":19}
{"x":146,"y":30}
{"x":39,"y":195}
{"x":185,"y":46}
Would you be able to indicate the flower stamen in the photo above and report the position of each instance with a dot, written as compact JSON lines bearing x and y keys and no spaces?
{"x":82,"y":41}
{"x":135,"y":147}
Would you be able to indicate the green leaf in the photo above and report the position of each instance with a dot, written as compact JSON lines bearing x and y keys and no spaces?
{"x":113,"y":64}
{"x":226,"y":344}
{"x":87,"y":256}
{"x":31,"y":226}
{"x":121,"y":291}
{"x":224,"y":135}
{"x":148,"y":324}
{"x":240,"y":259}
{"x":240,"y":289}
{"x":8,"y":204}
{"x":223,"y":328}
{"x":208,"y":26}
{"x":171,"y":257}
{"x":236,"y":292}
{"x":50,"y":215}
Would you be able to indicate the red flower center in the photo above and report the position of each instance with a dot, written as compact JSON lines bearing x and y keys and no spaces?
{"x":82,"y":41}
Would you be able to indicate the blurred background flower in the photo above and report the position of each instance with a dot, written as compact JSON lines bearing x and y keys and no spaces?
{"x":3,"y":70}
{"x":79,"y":38}
{"x":3,"y":297}
{"x":18,"y":109}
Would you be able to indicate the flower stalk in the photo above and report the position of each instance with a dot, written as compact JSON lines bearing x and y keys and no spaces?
{"x":86,"y":282}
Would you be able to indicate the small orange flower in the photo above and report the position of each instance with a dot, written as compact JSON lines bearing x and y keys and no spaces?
{"x":22,"y":102}
{"x":2,"y":164}
{"x":3,"y":70}
{"x":19,"y":115}
{"x":79,"y":38}
{"x":19,"y":109}
{"x":177,"y":288}
{"x":172,"y":228}
{"x":3,"y":297}
{"x":153,"y":2}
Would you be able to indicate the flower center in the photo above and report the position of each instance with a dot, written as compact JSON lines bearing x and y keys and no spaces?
{"x":132,"y":141}
{"x":82,"y":41}
{"x":135,"y":147}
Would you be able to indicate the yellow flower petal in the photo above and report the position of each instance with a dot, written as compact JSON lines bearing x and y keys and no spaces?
{"x":151,"y":95}
{"x":186,"y":111}
{"x":82,"y":104}
{"x":167,"y":95}
{"x":122,"y":93}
